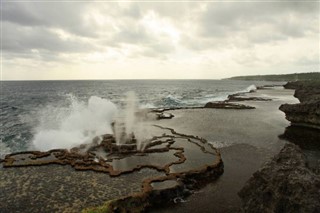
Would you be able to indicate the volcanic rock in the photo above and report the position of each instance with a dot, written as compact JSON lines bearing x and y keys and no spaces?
{"x":163,"y":115}
{"x":238,"y":97}
{"x":306,"y":113}
{"x":285,"y":184}
{"x":225,"y":105}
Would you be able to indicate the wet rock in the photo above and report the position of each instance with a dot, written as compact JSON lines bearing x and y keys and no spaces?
{"x":306,"y":113}
{"x":303,"y":114}
{"x":308,"y":140}
{"x":237,"y":97}
{"x":225,"y":105}
{"x":284,"y":184}
{"x":305,"y":138}
{"x":270,"y":86}
{"x":162,"y":115}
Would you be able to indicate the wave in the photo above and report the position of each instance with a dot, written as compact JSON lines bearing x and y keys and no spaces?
{"x":79,"y":123}
{"x":177,"y":101}
{"x":250,"y":88}
{"x":169,"y":101}
{"x":4,"y":149}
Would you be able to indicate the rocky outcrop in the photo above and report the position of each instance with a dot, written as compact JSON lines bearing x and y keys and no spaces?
{"x":225,"y":105}
{"x":239,"y":97}
{"x":307,"y":112}
{"x":163,"y":115}
{"x":293,"y":85}
{"x":304,"y":114}
{"x":285,"y":184}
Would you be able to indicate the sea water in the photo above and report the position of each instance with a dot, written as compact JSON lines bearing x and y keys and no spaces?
{"x":37,"y":114}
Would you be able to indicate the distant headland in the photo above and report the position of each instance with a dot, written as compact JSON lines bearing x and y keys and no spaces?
{"x":280,"y":77}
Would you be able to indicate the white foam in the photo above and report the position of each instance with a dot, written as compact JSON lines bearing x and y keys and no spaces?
{"x":75,"y":125}
{"x":4,"y":149}
{"x":130,"y":112}
{"x":251,"y":88}
{"x":128,"y":123}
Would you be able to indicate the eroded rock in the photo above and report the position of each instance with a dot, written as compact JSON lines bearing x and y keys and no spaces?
{"x":163,"y":115}
{"x":285,"y":184}
{"x":225,"y":105}
{"x":150,"y":173}
{"x":306,"y":113}
{"x":238,"y":97}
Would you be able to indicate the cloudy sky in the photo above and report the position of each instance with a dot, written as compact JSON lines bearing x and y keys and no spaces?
{"x":151,"y":40}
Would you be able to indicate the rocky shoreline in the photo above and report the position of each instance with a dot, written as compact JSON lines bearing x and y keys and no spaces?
{"x":307,"y":112}
{"x":150,"y":194}
{"x":165,"y":170}
{"x":290,"y":182}
{"x":284,"y":184}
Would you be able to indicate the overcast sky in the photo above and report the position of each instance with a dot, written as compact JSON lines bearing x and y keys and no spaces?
{"x":150,"y":40}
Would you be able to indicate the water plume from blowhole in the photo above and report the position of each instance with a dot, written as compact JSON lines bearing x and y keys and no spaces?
{"x":128,"y":127}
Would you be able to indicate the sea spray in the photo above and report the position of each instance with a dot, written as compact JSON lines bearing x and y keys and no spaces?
{"x":125,"y":120}
{"x":129,"y":125}
{"x":77,"y":124}
{"x":251,"y":88}
{"x":130,"y":112}
{"x":4,"y":149}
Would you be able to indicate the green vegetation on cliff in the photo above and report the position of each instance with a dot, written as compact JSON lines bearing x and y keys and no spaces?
{"x":284,"y":77}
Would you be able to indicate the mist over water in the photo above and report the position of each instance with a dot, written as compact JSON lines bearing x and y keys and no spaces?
{"x":130,"y":111}
{"x":128,"y":124}
{"x":76,"y":125}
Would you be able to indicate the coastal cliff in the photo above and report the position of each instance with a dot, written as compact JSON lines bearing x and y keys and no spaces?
{"x":285,"y":184}
{"x":290,"y":182}
{"x":307,"y":112}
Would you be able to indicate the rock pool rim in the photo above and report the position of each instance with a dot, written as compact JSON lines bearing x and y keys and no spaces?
{"x":147,"y":196}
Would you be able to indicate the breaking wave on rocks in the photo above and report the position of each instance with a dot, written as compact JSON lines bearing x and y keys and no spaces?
{"x":180,"y":101}
{"x":79,"y":123}
{"x":4,"y":149}
{"x":41,"y":115}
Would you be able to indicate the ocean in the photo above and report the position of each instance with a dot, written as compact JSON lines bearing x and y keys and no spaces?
{"x":30,"y":108}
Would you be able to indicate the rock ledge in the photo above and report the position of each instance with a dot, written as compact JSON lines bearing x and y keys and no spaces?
{"x":285,"y":184}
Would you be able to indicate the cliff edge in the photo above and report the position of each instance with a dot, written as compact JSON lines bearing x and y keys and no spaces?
{"x":307,"y":112}
{"x":285,"y":184}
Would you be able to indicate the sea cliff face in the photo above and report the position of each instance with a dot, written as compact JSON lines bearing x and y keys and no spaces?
{"x":307,"y":112}
{"x":285,"y":184}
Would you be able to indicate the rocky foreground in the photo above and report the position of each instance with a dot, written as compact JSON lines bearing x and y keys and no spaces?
{"x":307,"y":112}
{"x":108,"y":177}
{"x":290,"y":182}
{"x":284,"y":184}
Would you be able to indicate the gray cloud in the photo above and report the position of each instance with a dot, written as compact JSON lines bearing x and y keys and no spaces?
{"x":27,"y":38}
{"x":29,"y":27}
{"x":64,"y":15}
{"x":291,"y":19}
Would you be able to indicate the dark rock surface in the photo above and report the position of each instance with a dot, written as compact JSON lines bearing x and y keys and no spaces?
{"x":293,"y":85}
{"x":306,"y":113}
{"x":239,"y":97}
{"x":225,"y":105}
{"x":308,"y":140}
{"x":163,"y":115}
{"x":285,"y":184}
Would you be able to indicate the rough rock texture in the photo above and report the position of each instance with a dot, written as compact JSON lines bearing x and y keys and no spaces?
{"x":306,"y":113}
{"x":239,"y":97}
{"x":308,"y":140}
{"x":225,"y":105}
{"x":163,"y":115}
{"x":293,"y":85}
{"x":284,"y":184}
